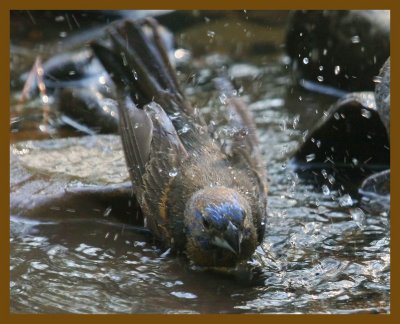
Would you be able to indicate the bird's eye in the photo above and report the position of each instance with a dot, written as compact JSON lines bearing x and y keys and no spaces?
{"x":206,"y":223}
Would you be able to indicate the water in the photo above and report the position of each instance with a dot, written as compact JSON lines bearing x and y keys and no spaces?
{"x":326,"y":250}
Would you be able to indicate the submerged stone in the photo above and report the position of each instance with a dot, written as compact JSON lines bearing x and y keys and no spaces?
{"x":79,"y":177}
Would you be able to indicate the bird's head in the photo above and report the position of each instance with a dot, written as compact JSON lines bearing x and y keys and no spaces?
{"x":219,"y":227}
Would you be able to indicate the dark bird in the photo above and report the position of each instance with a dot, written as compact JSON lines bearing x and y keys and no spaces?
{"x":198,"y":197}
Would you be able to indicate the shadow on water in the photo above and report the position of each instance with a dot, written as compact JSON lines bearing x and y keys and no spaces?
{"x":325,"y":250}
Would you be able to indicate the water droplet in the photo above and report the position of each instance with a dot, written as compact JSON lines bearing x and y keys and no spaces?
{"x":345,"y":201}
{"x":59,"y":18}
{"x":184,"y":295}
{"x":63,"y":34}
{"x":45,"y":99}
{"x":358,"y":216}
{"x":337,"y":69}
{"x":331,"y":179}
{"x":324,"y":173}
{"x":102,"y":79}
{"x":173,"y":172}
{"x":184,"y":129}
{"x":107,"y":212}
{"x":175,"y":115}
{"x":211,"y":34}
{"x":320,"y":78}
{"x":283,"y":125}
{"x":325,"y":190}
{"x":365,"y":113}
{"x":336,"y":116}
{"x":355,"y":39}
{"x":135,"y":75}
{"x":223,"y":98}
{"x":310,"y":157}
{"x":166,"y":253}
{"x":181,"y":54}
{"x":321,"y":68}
{"x":296,"y":121}
{"x":39,"y":266}
{"x":305,"y":60}
{"x":355,"y":161}
{"x":124,"y":61}
{"x":377,"y":79}
{"x":324,"y":52}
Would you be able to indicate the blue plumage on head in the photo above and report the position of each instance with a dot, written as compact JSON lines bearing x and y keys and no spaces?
{"x":226,"y":212}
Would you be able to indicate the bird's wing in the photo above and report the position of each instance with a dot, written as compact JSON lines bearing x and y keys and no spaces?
{"x":241,"y":143}
{"x":153,"y":149}
{"x":136,"y":130}
{"x":245,"y":153}
{"x":166,"y":157}
{"x":241,"y":146}
{"x":244,"y":146}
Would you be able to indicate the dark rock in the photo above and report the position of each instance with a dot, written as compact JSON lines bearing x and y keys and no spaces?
{"x":89,"y":111}
{"x":32,"y":25}
{"x":378,"y":183}
{"x":343,"y":49}
{"x":350,"y":136}
{"x":382,"y":95}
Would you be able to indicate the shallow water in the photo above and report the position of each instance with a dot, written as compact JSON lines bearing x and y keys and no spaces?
{"x":326,"y":249}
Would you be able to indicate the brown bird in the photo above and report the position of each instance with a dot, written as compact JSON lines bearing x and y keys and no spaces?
{"x":198,"y":197}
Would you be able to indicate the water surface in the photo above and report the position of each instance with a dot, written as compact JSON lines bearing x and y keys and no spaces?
{"x":326,"y":250}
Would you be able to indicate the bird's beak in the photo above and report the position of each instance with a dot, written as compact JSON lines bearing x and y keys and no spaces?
{"x":231,"y":239}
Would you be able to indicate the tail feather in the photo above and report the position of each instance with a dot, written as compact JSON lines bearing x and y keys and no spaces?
{"x":120,"y":74}
{"x":139,"y":66}
{"x":139,"y":63}
{"x":150,"y":54}
{"x":143,"y":83}
{"x":163,"y":52}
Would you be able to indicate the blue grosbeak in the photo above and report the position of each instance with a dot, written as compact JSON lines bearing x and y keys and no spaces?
{"x":197,"y":197}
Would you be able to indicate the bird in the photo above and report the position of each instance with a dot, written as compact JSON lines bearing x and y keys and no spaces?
{"x":198,"y":198}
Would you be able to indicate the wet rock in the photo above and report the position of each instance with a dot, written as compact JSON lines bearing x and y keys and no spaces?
{"x":180,"y":20}
{"x":88,"y":110}
{"x":80,"y":88}
{"x":343,"y":49}
{"x":33,"y":25}
{"x":67,"y":70}
{"x":351,"y":136}
{"x":378,"y":183}
{"x":382,"y":95}
{"x":74,"y":177}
